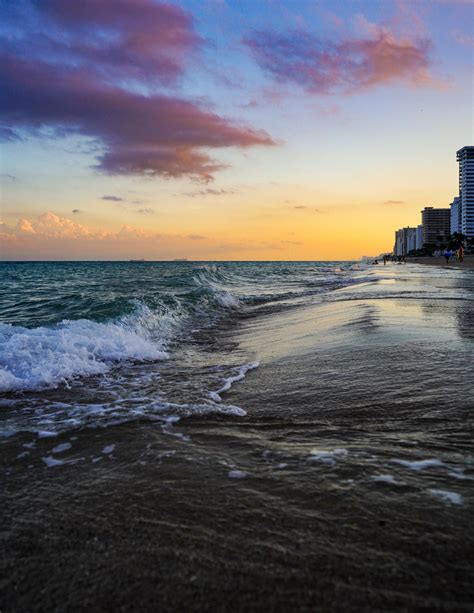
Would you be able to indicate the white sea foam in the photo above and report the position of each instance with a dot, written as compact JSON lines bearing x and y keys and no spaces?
{"x":458,"y":473}
{"x":43,"y":357}
{"x":385,"y":479}
{"x":420,"y":464}
{"x":327,"y":456}
{"x":50,"y":461}
{"x":446,"y":496}
{"x":108,"y":449}
{"x":227,"y":300}
{"x":188,"y":410}
{"x":229,"y":381}
{"x":62,"y":447}
{"x":237,"y":474}
{"x":46,"y":434}
{"x":167,"y":413}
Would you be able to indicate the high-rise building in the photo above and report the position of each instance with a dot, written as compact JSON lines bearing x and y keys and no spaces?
{"x":419,"y":237}
{"x":405,"y":241}
{"x":455,"y":215}
{"x":465,"y":157}
{"x":397,"y":247}
{"x":436,"y":225}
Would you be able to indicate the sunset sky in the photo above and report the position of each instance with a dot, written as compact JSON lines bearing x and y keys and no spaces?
{"x":228,"y":130}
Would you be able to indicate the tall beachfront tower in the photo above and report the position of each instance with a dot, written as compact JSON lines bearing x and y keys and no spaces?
{"x":465,"y":157}
{"x":455,"y":215}
{"x":436,"y":225}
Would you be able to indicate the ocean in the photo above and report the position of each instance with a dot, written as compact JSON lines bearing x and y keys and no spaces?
{"x":136,"y":340}
{"x":236,"y":436}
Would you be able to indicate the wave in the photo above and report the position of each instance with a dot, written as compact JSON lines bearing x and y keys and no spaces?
{"x":229,"y":381}
{"x":143,"y":316}
{"x":47,"y":357}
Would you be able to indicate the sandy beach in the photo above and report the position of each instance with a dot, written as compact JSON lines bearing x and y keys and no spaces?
{"x":468,"y":263}
{"x":347,"y":483}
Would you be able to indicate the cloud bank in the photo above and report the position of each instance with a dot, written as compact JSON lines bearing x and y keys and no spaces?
{"x":47,"y":236}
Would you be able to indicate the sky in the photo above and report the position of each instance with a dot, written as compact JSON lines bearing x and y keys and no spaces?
{"x":228,"y":130}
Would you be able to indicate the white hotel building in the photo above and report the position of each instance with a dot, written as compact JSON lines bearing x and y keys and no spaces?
{"x":465,"y":157}
{"x":455,"y":215}
{"x":405,"y":241}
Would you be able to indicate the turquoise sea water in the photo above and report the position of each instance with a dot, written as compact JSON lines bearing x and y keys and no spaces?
{"x":91,"y":325}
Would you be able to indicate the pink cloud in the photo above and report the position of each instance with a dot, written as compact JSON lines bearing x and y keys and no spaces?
{"x":52,"y":227}
{"x":346,"y":66}
{"x":24,"y":227}
{"x":51,"y":236}
{"x":49,"y":226}
{"x":94,"y":69}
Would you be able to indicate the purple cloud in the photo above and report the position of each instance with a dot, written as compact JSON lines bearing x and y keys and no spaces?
{"x":112,"y":198}
{"x":88,"y":69}
{"x":347,"y":66}
{"x":142,"y":40}
{"x":209,"y":191}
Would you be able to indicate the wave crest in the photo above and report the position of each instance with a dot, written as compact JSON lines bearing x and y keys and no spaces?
{"x":46,"y":357}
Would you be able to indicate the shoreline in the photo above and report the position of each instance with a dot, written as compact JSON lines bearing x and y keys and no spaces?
{"x":468,"y":263}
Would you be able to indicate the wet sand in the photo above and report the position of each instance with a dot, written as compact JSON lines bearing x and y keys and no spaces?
{"x":347,"y":486}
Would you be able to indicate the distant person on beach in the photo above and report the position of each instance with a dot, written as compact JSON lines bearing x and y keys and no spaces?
{"x":447,"y":254}
{"x":460,"y":253}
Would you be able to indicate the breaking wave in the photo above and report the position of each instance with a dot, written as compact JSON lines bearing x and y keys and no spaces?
{"x":102,"y":314}
{"x":47,"y":357}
